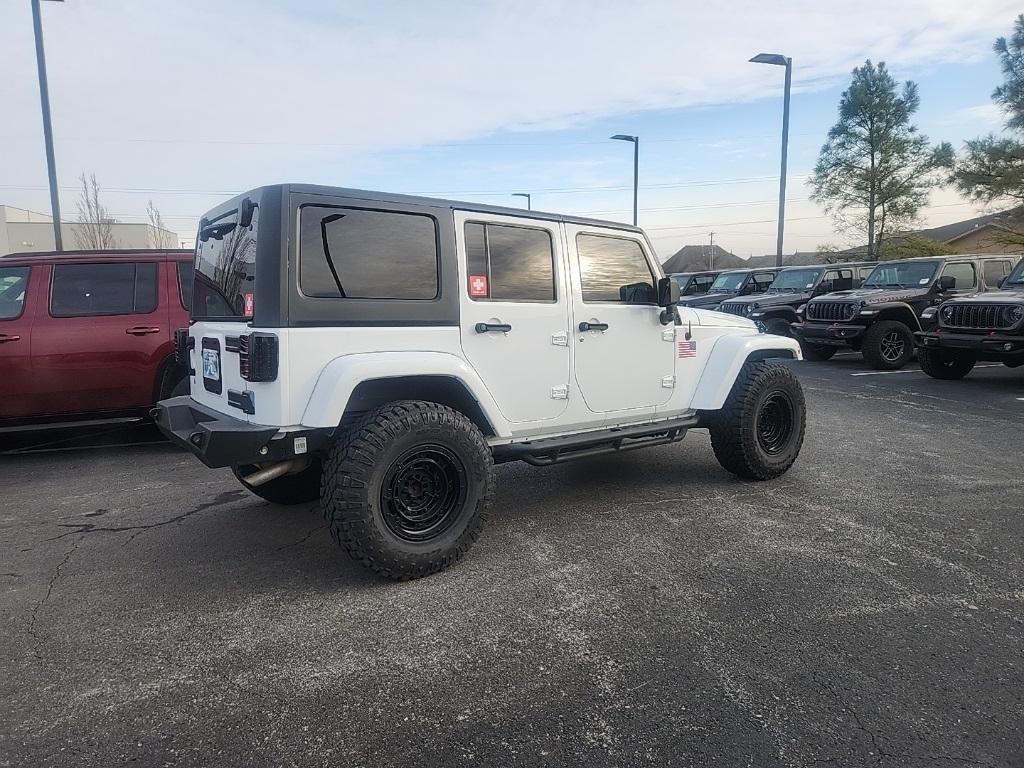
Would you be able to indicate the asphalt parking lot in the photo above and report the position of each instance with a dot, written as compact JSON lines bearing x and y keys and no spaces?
{"x":644,"y":609}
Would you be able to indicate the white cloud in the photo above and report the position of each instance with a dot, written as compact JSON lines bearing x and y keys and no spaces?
{"x":234,"y":94}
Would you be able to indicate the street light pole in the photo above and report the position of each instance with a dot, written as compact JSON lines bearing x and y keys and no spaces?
{"x":44,"y":98}
{"x":782,"y":61}
{"x":529,"y":201}
{"x":636,"y":168}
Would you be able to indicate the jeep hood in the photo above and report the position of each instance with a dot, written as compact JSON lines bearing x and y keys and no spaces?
{"x":770,"y":299}
{"x":1015,"y":296}
{"x":707,"y":317}
{"x":874,"y":295}
{"x":706,"y":299}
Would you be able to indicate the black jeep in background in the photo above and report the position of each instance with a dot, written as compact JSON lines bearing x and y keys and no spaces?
{"x":880,"y":318}
{"x":775,"y":309}
{"x":735,"y":282}
{"x":989,"y":327}
{"x":694,"y":283}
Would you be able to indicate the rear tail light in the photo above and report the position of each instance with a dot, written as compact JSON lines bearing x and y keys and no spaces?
{"x":182,"y":344}
{"x":257,"y":356}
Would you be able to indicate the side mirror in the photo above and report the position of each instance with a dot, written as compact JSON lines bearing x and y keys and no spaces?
{"x":946,"y":283}
{"x":668,"y":292}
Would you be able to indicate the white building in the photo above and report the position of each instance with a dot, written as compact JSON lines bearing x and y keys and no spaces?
{"x":28,"y":231}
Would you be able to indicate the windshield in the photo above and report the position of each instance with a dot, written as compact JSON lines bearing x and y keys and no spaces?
{"x":729,"y":281}
{"x":905,"y":274}
{"x":795,"y":280}
{"x":1017,"y":276}
{"x":225,"y":270}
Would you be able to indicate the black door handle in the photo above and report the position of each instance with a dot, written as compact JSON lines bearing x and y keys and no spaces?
{"x":499,"y":327}
{"x":585,"y":326}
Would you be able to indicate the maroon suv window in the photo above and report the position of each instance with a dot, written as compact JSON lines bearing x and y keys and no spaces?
{"x":122,"y":288}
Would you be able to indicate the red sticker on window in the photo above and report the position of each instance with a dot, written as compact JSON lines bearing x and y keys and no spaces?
{"x":478,"y":285}
{"x":248,"y":304}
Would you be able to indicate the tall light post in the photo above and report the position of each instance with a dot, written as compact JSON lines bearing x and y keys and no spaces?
{"x":529,"y":202}
{"x":782,"y":61}
{"x":44,"y":98}
{"x":636,"y":166}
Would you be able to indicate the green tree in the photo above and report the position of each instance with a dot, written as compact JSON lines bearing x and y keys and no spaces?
{"x":875,"y":170}
{"x":991,"y":168}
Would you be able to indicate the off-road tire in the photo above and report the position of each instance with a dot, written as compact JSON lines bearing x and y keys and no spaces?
{"x":777,"y":326}
{"x":361,"y":486}
{"x":944,"y":365}
{"x":736,"y":429}
{"x":817,"y":353}
{"x":881,"y":334}
{"x":301,"y":488}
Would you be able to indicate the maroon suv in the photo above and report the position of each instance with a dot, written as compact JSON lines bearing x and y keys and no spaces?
{"x":90,"y":334}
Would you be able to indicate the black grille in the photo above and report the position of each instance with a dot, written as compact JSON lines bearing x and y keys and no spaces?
{"x":733,"y":309}
{"x":980,"y":316}
{"x":830,"y":310}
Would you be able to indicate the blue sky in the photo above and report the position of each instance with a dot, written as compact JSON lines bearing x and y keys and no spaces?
{"x":184,"y":102}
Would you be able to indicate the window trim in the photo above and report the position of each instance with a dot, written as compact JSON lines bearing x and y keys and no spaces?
{"x":643,"y":252}
{"x":487,"y":247}
{"x":437,"y":297}
{"x":135,"y":278}
{"x":25,"y":299}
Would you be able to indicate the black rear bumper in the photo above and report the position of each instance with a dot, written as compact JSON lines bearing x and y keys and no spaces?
{"x":996,"y":347}
{"x":219,"y":440}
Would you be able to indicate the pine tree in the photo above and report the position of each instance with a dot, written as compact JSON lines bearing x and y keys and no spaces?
{"x":875,"y":170}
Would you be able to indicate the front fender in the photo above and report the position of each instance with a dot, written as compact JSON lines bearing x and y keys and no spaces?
{"x":897,"y":310}
{"x":727,"y":358}
{"x":343,"y":374}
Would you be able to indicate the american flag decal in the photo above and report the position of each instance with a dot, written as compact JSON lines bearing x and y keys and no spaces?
{"x":687,"y":348}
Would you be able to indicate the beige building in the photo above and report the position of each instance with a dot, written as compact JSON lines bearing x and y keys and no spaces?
{"x":29,"y":231}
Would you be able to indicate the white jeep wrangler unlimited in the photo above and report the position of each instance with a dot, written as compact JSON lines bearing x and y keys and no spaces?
{"x":382,"y":352}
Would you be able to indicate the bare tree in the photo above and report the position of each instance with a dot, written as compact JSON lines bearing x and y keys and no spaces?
{"x":94,"y":231}
{"x":159,"y":236}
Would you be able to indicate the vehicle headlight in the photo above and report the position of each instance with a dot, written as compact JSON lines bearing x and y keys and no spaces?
{"x":1015,"y":314}
{"x":750,"y":308}
{"x":946,"y":313}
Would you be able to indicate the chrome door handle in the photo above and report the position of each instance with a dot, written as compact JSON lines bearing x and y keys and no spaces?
{"x":5,"y":338}
{"x":142,"y":330}
{"x":497,"y":327}
{"x":585,"y":326}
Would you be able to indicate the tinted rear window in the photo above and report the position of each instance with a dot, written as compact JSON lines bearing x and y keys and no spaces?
{"x":351,"y":253}
{"x":82,"y":290}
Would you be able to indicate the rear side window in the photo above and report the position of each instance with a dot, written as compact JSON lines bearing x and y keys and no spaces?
{"x":700,"y":284}
{"x":509,"y":263}
{"x":13,"y":284}
{"x":995,"y":271}
{"x":82,"y":290}
{"x":964,"y":274}
{"x":614,"y":269}
{"x":186,"y":272}
{"x":350,"y":253}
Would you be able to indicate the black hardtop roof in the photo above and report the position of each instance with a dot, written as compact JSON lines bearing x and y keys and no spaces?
{"x":750,"y":269}
{"x":461,"y":205}
{"x":696,"y":272}
{"x":84,"y":255}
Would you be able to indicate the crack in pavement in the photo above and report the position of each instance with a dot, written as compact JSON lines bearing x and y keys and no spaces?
{"x":305,"y":538}
{"x":83,"y":528}
{"x":39,"y":640}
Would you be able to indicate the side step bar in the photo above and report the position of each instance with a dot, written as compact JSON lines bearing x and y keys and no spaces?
{"x":552,"y":450}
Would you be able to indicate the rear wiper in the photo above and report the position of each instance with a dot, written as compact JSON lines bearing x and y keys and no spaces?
{"x":217,"y":231}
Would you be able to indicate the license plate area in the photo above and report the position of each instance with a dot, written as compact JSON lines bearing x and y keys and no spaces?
{"x":210,"y":354}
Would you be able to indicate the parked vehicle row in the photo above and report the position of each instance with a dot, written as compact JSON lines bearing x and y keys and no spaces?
{"x":87,"y":334}
{"x":950,"y":307}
